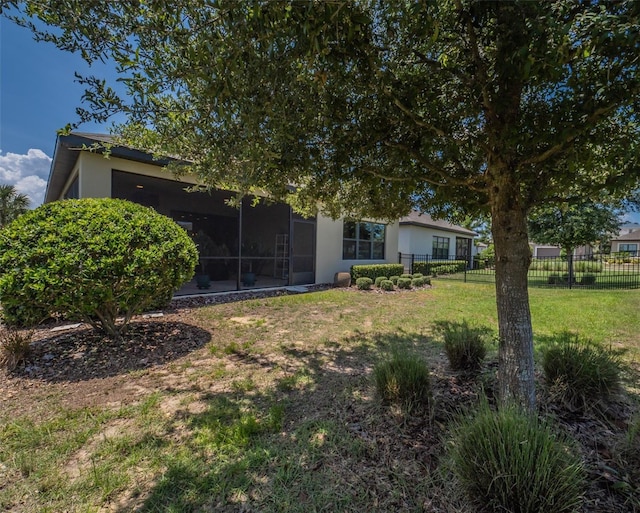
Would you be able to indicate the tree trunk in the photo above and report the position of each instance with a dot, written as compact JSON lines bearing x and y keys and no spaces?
{"x":513,"y":256}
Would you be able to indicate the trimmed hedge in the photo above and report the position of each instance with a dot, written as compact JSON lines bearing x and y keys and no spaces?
{"x":380,"y":279}
{"x":364,"y":283}
{"x":386,"y":285}
{"x":452,"y":266}
{"x":374,"y":270}
{"x":404,"y":283}
{"x":93,"y":260}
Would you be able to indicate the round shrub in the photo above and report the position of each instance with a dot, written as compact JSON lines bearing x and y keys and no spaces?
{"x":580,"y":372}
{"x":405,"y":276}
{"x":404,"y":283}
{"x":403,"y":379}
{"x":464,"y":345}
{"x":386,"y":285}
{"x":417,"y":275}
{"x":417,"y":282}
{"x":93,"y":260}
{"x":364,"y":283}
{"x":380,"y":279}
{"x":588,"y":279}
{"x":427,"y":280}
{"x":394,"y":279}
{"x":510,"y":461}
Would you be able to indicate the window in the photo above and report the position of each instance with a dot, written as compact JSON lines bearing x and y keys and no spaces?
{"x":628,"y":248}
{"x":363,"y":241}
{"x":440,"y":248}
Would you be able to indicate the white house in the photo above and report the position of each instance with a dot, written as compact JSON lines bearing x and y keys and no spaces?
{"x":268,"y":240}
{"x":424,"y":237}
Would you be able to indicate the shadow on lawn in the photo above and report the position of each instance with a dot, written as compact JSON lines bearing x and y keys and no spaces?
{"x":85,"y":354}
{"x":317,"y":440}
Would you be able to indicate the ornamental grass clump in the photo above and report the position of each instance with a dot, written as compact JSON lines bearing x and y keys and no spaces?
{"x":580,"y":372}
{"x":464,"y":345}
{"x":510,"y":461}
{"x":403,"y":379}
{"x":15,"y":347}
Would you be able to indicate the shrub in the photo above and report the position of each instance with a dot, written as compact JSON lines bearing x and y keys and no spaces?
{"x":380,"y":279}
{"x":579,"y":371}
{"x":588,"y":279}
{"x":386,"y":285}
{"x":427,"y":280}
{"x":93,"y":260}
{"x":364,"y":283}
{"x":510,"y":461}
{"x":406,"y":275}
{"x":444,"y":269}
{"x":587,"y":266}
{"x":465,"y":346}
{"x":417,"y":282}
{"x":554,"y":279}
{"x":417,"y":275}
{"x":394,"y":279}
{"x":404,"y":380}
{"x":426,"y":268}
{"x":404,"y":283}
{"x":374,"y":270}
{"x":15,"y":347}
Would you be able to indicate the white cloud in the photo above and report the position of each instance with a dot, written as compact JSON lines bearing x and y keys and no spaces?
{"x":28,"y":173}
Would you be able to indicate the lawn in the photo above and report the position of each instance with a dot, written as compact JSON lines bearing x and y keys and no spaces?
{"x":266,"y":405}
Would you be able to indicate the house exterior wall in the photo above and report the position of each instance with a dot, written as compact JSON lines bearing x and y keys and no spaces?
{"x":615,"y":245}
{"x":94,"y":172}
{"x":95,"y":175}
{"x":329,"y":238}
{"x":418,"y":240}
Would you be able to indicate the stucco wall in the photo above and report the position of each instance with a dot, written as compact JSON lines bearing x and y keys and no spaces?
{"x":94,"y":173}
{"x":418,"y":240}
{"x":329,"y":249}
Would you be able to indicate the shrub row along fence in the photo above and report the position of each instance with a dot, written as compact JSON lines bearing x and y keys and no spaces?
{"x":595,"y":271}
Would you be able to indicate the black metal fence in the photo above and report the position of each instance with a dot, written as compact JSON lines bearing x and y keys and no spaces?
{"x":595,"y":271}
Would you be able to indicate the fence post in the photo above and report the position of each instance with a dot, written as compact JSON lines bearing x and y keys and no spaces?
{"x":413,"y":256}
{"x":570,"y":265}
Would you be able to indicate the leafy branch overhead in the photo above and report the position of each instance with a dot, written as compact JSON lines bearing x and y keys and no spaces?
{"x":374,"y":107}
{"x":387,"y":101}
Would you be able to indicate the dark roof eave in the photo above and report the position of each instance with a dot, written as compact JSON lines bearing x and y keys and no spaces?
{"x":461,"y":231}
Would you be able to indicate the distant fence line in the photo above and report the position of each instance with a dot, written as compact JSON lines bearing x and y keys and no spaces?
{"x":595,"y":271}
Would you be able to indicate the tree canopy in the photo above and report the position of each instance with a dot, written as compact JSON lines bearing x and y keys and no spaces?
{"x":574,"y":225}
{"x":374,"y":107}
{"x":12,"y":204}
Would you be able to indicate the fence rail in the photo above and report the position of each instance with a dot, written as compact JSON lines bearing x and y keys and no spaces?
{"x":595,"y":271}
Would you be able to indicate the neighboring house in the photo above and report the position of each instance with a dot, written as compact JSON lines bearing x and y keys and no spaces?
{"x":421,"y":235}
{"x":268,"y":240}
{"x":628,"y":242}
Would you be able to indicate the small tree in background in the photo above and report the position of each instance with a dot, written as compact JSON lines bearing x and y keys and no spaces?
{"x":572,"y":225}
{"x":94,"y":260}
{"x":12,"y":204}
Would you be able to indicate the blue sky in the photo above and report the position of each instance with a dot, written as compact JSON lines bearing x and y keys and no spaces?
{"x":38,"y":96}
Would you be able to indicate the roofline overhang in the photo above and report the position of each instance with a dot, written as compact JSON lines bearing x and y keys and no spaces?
{"x":67,"y":152}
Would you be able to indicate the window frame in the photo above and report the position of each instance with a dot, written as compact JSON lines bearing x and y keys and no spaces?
{"x":367,"y":241}
{"x":440,"y":247}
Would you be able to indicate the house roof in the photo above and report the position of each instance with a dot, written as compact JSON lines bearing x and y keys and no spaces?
{"x":68,"y":148}
{"x":629,"y":236}
{"x":416,"y":218}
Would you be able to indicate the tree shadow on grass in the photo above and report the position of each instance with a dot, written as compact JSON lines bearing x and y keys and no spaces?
{"x":317,"y":439}
{"x":86,"y":354}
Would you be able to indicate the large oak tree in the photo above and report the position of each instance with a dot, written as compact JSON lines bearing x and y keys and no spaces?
{"x":373,"y":107}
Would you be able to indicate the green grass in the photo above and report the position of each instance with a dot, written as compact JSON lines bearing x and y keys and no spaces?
{"x":277,"y":413}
